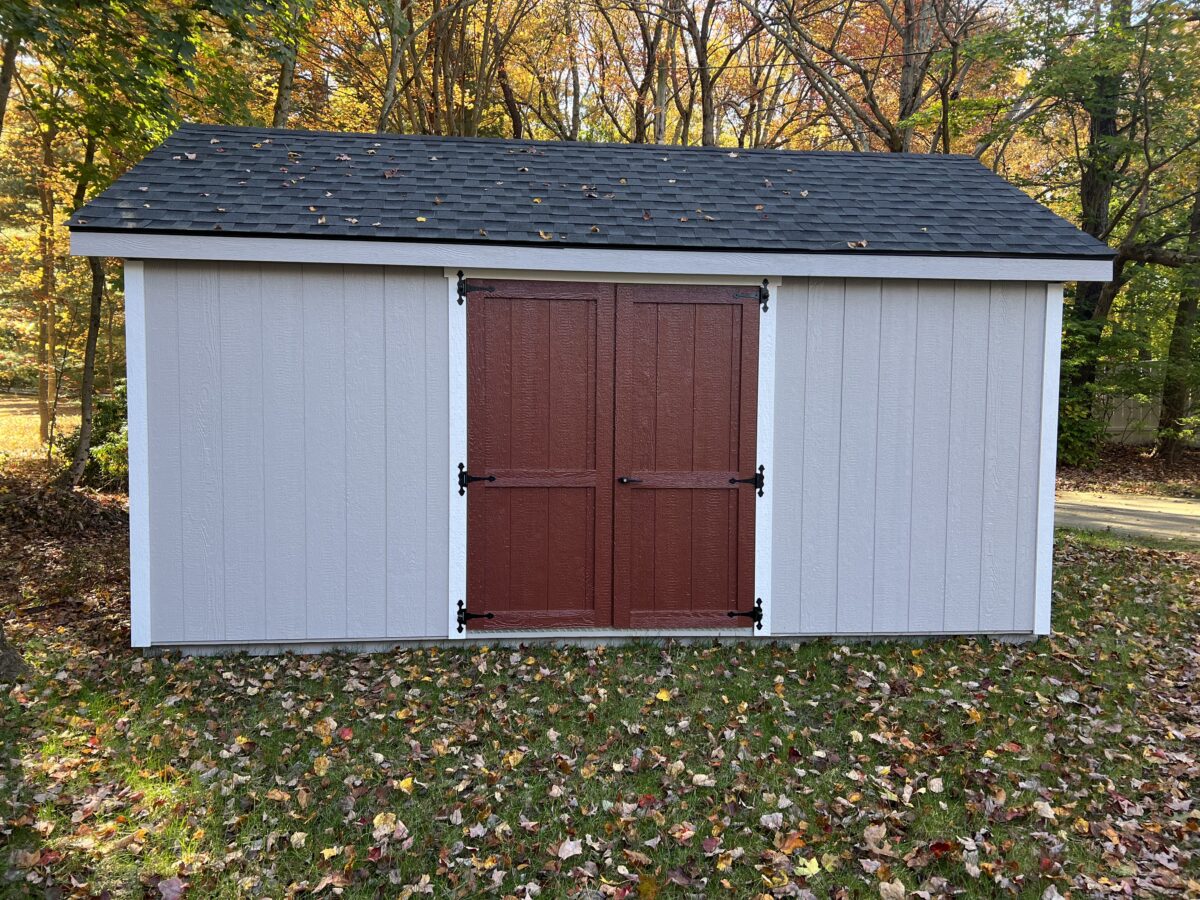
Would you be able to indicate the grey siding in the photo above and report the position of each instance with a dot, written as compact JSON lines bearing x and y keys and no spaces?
{"x":906,"y":456}
{"x":298,"y":452}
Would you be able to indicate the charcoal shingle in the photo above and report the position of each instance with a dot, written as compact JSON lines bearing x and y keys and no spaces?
{"x":258,"y":181}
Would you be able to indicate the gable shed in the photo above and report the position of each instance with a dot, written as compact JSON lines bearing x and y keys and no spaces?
{"x":391,"y":388}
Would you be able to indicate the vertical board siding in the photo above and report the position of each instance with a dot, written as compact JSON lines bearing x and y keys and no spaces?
{"x":926,"y":587}
{"x":820,"y":495}
{"x":366,"y":454}
{"x":324,"y":299}
{"x":893,"y":484}
{"x":1030,"y":431}
{"x":405,"y":308}
{"x":201,"y":508}
{"x":1002,"y":447}
{"x":297,"y":452}
{"x":857,"y":453}
{"x":906,"y":456}
{"x":165,"y":446}
{"x":242,"y":498}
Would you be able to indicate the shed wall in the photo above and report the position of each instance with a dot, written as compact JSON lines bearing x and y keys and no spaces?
{"x":907,"y":440}
{"x":299,"y":438}
{"x":297,"y":452}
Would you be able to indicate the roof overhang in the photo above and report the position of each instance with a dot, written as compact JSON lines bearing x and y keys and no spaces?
{"x":853,"y":264}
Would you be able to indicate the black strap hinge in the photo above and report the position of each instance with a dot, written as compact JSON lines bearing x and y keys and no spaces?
{"x":759,"y":480}
{"x":465,"y":287}
{"x":465,"y":478}
{"x":755,"y":615}
{"x":762,"y":294}
{"x":464,"y":616}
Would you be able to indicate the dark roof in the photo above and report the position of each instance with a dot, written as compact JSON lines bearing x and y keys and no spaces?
{"x":269,"y":182}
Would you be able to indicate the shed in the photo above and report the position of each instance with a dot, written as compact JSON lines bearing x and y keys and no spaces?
{"x":388,"y":388}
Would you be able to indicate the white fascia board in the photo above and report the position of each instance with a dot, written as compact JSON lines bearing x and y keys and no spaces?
{"x":597,"y":260}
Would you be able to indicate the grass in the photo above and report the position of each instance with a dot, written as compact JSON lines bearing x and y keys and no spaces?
{"x":19,"y":424}
{"x":981,"y":767}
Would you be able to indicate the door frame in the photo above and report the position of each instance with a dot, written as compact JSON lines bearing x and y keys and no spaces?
{"x":457,"y":410}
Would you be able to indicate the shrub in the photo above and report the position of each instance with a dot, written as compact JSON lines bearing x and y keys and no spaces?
{"x":108,"y":456}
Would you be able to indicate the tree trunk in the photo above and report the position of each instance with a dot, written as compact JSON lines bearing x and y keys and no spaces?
{"x":1181,"y":356}
{"x":47,"y":287}
{"x":12,"y":666}
{"x":283,"y":93}
{"x":87,"y":388}
{"x":8,"y":69}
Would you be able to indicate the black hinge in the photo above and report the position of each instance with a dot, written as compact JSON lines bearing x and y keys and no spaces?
{"x":464,"y":287}
{"x":464,"y":616}
{"x":465,"y":478}
{"x":761,"y":293}
{"x":759,"y":480}
{"x":755,"y":615}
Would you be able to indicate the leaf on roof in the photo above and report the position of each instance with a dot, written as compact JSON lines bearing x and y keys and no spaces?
{"x":758,"y":206}
{"x":343,"y":157}
{"x":483,"y":232}
{"x":804,"y":193}
{"x":683,"y":218}
{"x":537,"y":199}
{"x":390,"y":173}
{"x":421,"y":219}
{"x":437,"y":201}
{"x":523,"y":169}
{"x":646,"y":217}
{"x":143,"y":188}
{"x":595,"y":229}
{"x":545,"y":235}
{"x":854,"y":245}
{"x":352,"y":220}
{"x":733,"y":155}
{"x":214,"y":140}
{"x":321,"y":220}
{"x":624,"y":181}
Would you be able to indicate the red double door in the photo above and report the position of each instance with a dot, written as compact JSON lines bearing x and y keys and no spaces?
{"x":616,"y":421}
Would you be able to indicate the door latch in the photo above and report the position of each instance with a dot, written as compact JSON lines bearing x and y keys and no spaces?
{"x":625,"y":479}
{"x":465,"y":478}
{"x":755,"y":615}
{"x":759,"y":480}
{"x":464,"y":616}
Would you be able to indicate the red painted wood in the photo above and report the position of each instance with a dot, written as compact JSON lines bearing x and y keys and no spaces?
{"x":572,"y":385}
{"x":539,"y":418}
{"x":686,"y":406}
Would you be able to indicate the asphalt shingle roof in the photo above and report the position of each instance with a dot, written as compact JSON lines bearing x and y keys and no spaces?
{"x":268,"y":182}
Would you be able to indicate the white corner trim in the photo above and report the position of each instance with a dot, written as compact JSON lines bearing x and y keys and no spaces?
{"x":139,"y":456}
{"x":458,"y":453}
{"x":1047,"y":459}
{"x":499,"y":257}
{"x":764,"y":510}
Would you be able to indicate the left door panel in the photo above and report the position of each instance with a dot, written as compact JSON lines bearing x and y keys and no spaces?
{"x":539,"y":393}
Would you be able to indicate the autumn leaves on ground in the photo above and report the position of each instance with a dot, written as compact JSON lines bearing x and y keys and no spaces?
{"x":1063,"y":767}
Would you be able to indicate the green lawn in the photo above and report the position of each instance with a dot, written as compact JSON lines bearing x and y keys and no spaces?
{"x":1067,"y":765}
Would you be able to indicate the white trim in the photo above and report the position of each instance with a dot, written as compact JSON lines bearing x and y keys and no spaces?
{"x":1047,"y":459}
{"x":497,"y":257}
{"x":139,"y":455}
{"x":458,"y":453}
{"x":606,"y":277}
{"x":764,"y":510}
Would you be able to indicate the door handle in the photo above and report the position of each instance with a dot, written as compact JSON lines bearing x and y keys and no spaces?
{"x":625,"y":479}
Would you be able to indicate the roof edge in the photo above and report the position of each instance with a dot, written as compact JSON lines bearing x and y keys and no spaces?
{"x":596,"y":260}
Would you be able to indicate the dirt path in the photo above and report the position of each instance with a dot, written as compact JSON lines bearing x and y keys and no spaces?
{"x":1173,"y":518}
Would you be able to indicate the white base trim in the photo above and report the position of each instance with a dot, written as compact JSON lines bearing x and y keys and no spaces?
{"x":499,"y":257}
{"x":1044,"y":564}
{"x":139,"y":455}
{"x":565,"y":637}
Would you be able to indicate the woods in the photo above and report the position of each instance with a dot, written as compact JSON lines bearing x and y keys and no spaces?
{"x":1091,"y":108}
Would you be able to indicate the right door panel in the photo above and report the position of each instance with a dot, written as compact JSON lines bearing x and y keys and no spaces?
{"x":687,"y":379}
